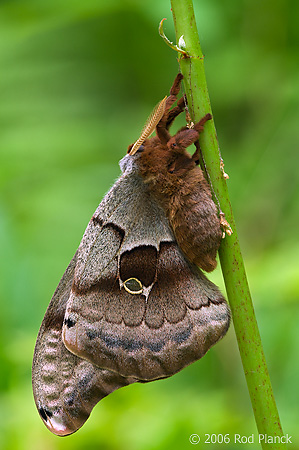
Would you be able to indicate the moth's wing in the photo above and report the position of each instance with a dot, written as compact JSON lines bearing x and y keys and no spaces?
{"x":179,"y":315}
{"x":66,"y":387}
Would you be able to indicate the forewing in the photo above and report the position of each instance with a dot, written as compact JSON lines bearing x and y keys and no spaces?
{"x":66,"y":387}
{"x":178,"y":316}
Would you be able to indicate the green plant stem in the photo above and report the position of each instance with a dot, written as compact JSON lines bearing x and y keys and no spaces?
{"x":249,"y":341}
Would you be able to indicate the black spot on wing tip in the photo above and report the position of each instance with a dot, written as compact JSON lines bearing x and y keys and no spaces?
{"x":69,"y":322}
{"x":45,"y":413}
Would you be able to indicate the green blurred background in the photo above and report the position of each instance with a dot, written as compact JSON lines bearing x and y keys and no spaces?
{"x":77,"y":81}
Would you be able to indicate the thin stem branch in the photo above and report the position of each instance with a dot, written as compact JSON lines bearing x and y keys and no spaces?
{"x":246,"y":328}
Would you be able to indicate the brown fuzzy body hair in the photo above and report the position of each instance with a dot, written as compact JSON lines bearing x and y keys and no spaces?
{"x":179,"y":186}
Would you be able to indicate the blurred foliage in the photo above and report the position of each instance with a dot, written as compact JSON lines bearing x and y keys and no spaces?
{"x":77,"y":81}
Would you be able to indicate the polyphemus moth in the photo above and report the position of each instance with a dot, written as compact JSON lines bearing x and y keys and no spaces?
{"x":133,"y":304}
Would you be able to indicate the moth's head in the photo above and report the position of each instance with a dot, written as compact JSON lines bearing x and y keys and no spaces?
{"x":131,"y":162}
{"x":153,"y":145}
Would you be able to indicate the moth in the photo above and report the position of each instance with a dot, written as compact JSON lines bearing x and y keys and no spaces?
{"x":133,"y":304}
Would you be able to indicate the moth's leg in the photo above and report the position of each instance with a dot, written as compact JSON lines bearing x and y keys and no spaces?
{"x":183,"y":138}
{"x":161,"y":129}
{"x":197,"y":156}
{"x":174,"y":90}
{"x":199,"y":126}
{"x":174,"y":112}
{"x":188,"y":136}
{"x":162,"y":132}
{"x":176,"y":86}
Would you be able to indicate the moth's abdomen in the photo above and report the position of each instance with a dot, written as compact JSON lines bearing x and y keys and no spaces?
{"x":179,"y":186}
{"x":196,"y":227}
{"x":191,"y":212}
